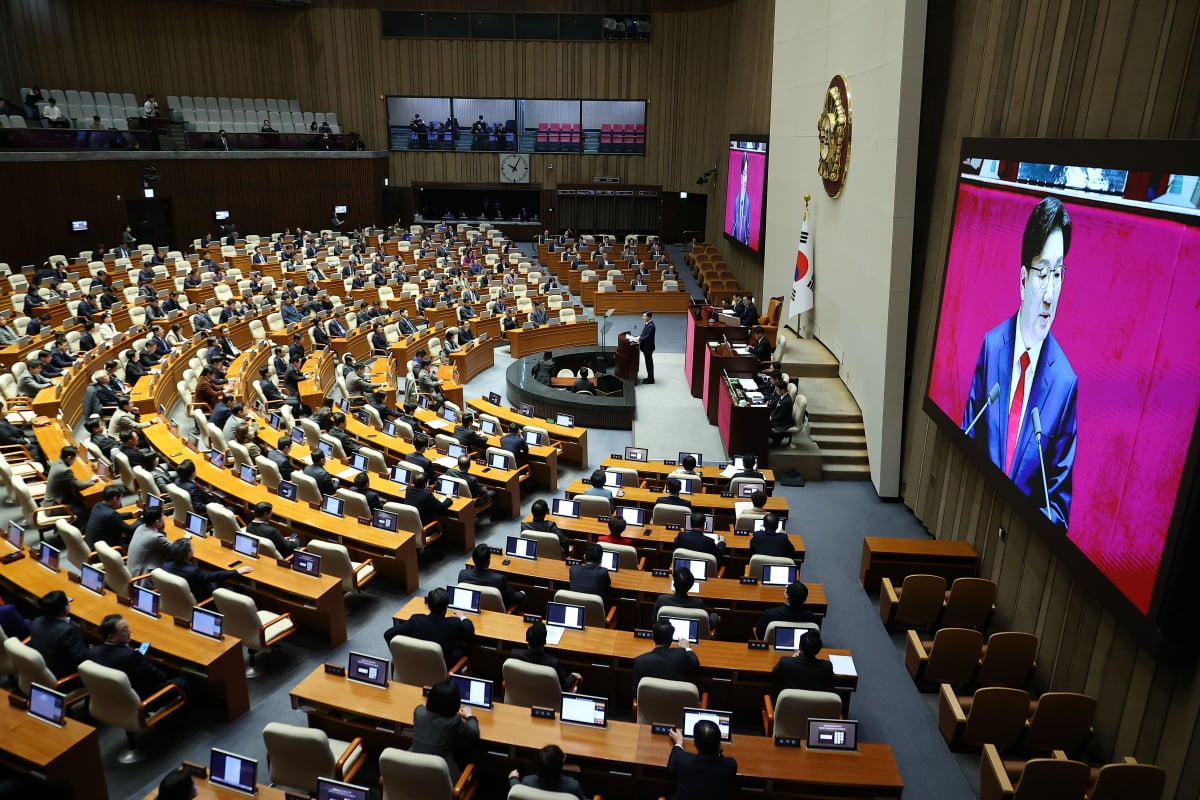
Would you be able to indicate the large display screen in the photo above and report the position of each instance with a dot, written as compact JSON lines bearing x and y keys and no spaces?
{"x":745,"y":191}
{"x":1067,"y":352}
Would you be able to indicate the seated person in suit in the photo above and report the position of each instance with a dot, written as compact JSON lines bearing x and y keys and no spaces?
{"x":279,"y":457}
{"x":261,"y":526}
{"x":362,"y":485}
{"x":794,"y":611}
{"x":482,"y":494}
{"x":804,"y":670}
{"x":59,"y":641}
{"x":597,"y":486}
{"x":106,"y":524}
{"x":337,"y":429}
{"x":616,"y":529}
{"x":424,"y":501}
{"x":694,"y":539}
{"x":535,"y":653}
{"x":664,"y":661}
{"x":454,"y":634}
{"x":186,"y":479}
{"x":480,"y":573}
{"x":749,"y":462}
{"x":683,"y":580}
{"x":706,"y":774}
{"x":771,"y":541}
{"x":538,"y":511}
{"x":687,"y":470}
{"x":761,"y":349}
{"x":514,"y":442}
{"x":672,"y":497}
{"x":445,"y":727}
{"x":548,"y":774}
{"x":201,"y":581}
{"x":584,"y":384}
{"x":589,"y":577}
{"x":417,"y":456}
{"x":144,"y":675}
{"x":316,"y":470}
{"x":12,"y":620}
{"x":466,"y":435}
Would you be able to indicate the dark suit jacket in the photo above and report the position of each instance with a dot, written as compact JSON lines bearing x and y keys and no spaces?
{"x":515,"y":444}
{"x":60,"y":643}
{"x":591,"y":579}
{"x":449,"y":737}
{"x":200,"y":497}
{"x":452,"y":634}
{"x":322,"y":477}
{"x":699,"y":777}
{"x":426,"y":504}
{"x":669,"y":500}
{"x":781,"y":413}
{"x":668,"y":663}
{"x":201,"y":581}
{"x":489,"y":577}
{"x":566,"y":785}
{"x":800,"y":672}
{"x":283,"y":463}
{"x":646,"y":338}
{"x":469,"y":437}
{"x":106,"y":525}
{"x":695,"y":540}
{"x":1053,"y":391}
{"x":772,"y":544}
{"x":542,"y":658}
{"x":268,"y":531}
{"x":144,"y":676}
{"x":782,"y":614}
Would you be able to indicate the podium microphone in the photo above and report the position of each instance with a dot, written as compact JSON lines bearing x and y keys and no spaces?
{"x":993,"y":395}
{"x":1037,"y":432}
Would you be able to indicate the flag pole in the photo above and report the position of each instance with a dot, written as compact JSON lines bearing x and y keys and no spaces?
{"x":805,"y":240}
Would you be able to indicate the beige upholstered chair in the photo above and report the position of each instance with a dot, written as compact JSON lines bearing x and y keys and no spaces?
{"x":404,"y":775}
{"x":113,"y":701}
{"x":790,"y":712}
{"x":530,"y":685}
{"x":258,"y":630}
{"x":298,"y":756}
{"x":335,"y":560}
{"x":663,"y":701}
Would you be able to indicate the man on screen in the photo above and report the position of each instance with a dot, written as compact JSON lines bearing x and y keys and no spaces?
{"x":741,"y":206}
{"x":1023,"y":392}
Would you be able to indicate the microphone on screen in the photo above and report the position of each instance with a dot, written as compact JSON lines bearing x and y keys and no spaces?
{"x":1037,"y":432}
{"x":993,"y":395}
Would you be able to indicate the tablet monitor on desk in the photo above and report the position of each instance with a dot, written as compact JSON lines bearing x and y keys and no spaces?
{"x":332,"y":505}
{"x":400,"y":475}
{"x":48,"y":556}
{"x":475,"y":692}
{"x":686,"y":485}
{"x":195,"y":524}
{"x":447,"y":487}
{"x":637,"y":454}
{"x":525,"y":410}
{"x":423,"y":401}
{"x":533,"y":438}
{"x":455,"y":450}
{"x":207,"y":623}
{"x":566,"y":508}
{"x":709,"y":521}
{"x":297,"y":436}
{"x":306,"y":563}
{"x":326,"y":448}
{"x":788,"y":638}
{"x":687,"y":629}
{"x":47,"y":705}
{"x":610,"y":560}
{"x":329,"y":789}
{"x":498,"y":461}
{"x":778,"y":575}
{"x":612,"y":480}
{"x":698,"y":456}
{"x":247,"y":474}
{"x":487,"y":427}
{"x":385,"y":520}
{"x":462,"y":599}
{"x":565,"y":420}
{"x":832,"y":734}
{"x":245,"y":544}
{"x":233,"y":771}
{"x":154,"y":501}
{"x":494,"y":398}
{"x":519,"y":547}
{"x":145,"y":600}
{"x":91,"y":578}
{"x":287,"y":490}
{"x":16,"y":535}
{"x":698,"y":567}
{"x":747,"y":489}
{"x":565,"y":615}
{"x":722,"y":719}
{"x":368,"y":669}
{"x":389,"y":429}
{"x":632,"y":515}
{"x":582,"y":709}
{"x":216,"y":458}
{"x":359,"y":462}
{"x":275,"y":421}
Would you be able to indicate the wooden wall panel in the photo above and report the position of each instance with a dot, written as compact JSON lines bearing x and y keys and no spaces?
{"x":1060,"y":68}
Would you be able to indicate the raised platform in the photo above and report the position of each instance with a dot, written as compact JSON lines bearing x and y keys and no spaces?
{"x":615,"y":412}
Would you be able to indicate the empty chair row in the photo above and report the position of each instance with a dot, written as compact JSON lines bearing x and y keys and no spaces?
{"x":1065,"y":779}
{"x":922,"y":602}
{"x":254,"y":118}
{"x":256,"y":105}
{"x":122,"y":99}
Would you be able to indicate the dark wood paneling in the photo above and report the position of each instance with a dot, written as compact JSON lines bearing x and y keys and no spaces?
{"x":1063,"y":68}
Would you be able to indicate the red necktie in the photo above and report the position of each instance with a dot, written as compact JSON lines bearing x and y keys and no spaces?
{"x":1014,"y":414}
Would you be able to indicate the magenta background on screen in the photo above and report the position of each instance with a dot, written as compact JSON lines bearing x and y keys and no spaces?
{"x":1128,"y":319}
{"x":755,"y":174}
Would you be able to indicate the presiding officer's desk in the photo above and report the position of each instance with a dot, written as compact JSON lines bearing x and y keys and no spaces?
{"x":734,"y":676}
{"x":314,"y":602}
{"x":623,"y":760}
{"x":68,"y":756}
{"x":635,"y":592}
{"x":218,"y":664}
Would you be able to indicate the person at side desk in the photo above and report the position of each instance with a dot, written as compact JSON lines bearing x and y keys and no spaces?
{"x":466,"y":434}
{"x":115,"y":653}
{"x":706,"y":774}
{"x":106,"y":524}
{"x":596,"y":479}
{"x":804,"y":670}
{"x":280,"y":458}
{"x":672,"y":498}
{"x":454,"y":634}
{"x":694,"y":538}
{"x":538,"y":511}
{"x":426,"y":502}
{"x":771,"y":541}
{"x":316,"y":470}
{"x":682,"y":580}
{"x":59,"y":640}
{"x":261,"y":526}
{"x":584,"y":382}
{"x":664,"y":661}
{"x":445,"y":727}
{"x":514,"y":442}
{"x":201,"y":581}
{"x":481,"y":573}
{"x":149,"y":546}
{"x":535,"y":653}
{"x":796,"y":595}
{"x":548,"y":774}
{"x":186,"y":479}
{"x":63,"y":488}
{"x":590,"y":577}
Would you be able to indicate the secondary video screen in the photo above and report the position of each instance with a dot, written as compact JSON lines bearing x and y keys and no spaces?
{"x":745,"y":192}
{"x":1068,"y":349}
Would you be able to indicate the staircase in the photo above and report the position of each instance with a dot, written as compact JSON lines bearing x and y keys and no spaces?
{"x":843,"y":444}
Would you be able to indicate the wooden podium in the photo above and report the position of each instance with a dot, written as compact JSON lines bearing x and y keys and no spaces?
{"x":628,"y":358}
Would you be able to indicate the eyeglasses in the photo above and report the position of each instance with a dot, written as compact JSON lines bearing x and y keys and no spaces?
{"x":1042,"y":274}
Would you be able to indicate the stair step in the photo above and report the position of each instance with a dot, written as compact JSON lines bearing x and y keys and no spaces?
{"x":840,"y":442}
{"x":825,"y":416}
{"x":826,"y":429}
{"x":845,"y":457}
{"x":845,"y":472}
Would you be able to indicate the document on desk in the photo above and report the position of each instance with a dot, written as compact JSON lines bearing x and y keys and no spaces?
{"x":843,"y":665}
{"x":438,"y":424}
{"x":729,"y":471}
{"x":741,"y":506}
{"x":446,"y":462}
{"x":749,"y":384}
{"x":347,"y":474}
{"x":741,"y":351}
{"x":554,"y":634}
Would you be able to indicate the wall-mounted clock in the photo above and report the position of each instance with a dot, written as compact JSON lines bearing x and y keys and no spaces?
{"x":514,"y":168}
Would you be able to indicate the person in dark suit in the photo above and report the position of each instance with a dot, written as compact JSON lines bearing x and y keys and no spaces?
{"x":427,"y":504}
{"x":185,"y":479}
{"x":279,"y":457}
{"x":453,"y":634}
{"x":222,"y":140}
{"x":794,"y":611}
{"x":514,"y":442}
{"x":705,"y":774}
{"x":548,"y":774}
{"x":316,"y":470}
{"x":771,"y":541}
{"x":693,"y":538}
{"x":535,"y":653}
{"x":749,"y":313}
{"x":781,"y":415}
{"x":481,"y":574}
{"x":664,"y":661}
{"x":589,"y":577}
{"x":804,"y":670}
{"x":63,"y":488}
{"x":114,"y":652}
{"x":645,"y":343}
{"x":672,"y":498}
{"x":444,"y":727}
{"x":584,"y":383}
{"x":261,"y":525}
{"x":201,"y":581}
{"x":417,"y":456}
{"x":481,"y":494}
{"x":741,"y":205}
{"x":106,"y":524}
{"x":683,"y":580}
{"x":59,"y":641}
{"x":466,"y":435}
{"x":1022,"y":370}
{"x":761,"y":349}
{"x":749,"y":463}
{"x":538,"y":511}
{"x":362,"y":485}
{"x":12,"y":621}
